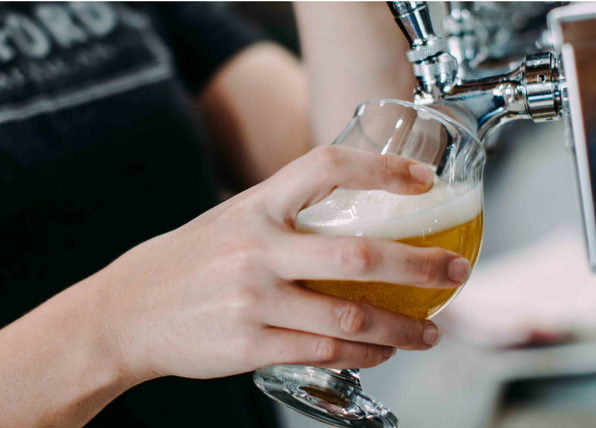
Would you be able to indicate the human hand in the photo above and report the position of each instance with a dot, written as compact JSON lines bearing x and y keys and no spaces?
{"x":221,"y":294}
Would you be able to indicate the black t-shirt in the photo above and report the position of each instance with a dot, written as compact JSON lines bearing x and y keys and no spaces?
{"x":101,"y":150}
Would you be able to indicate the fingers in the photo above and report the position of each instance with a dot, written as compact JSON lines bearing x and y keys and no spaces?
{"x":298,"y":308}
{"x":294,"y":347}
{"x":310,"y":256}
{"x":314,"y":176}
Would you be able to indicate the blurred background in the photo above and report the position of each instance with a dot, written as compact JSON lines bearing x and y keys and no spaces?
{"x":519,"y":343}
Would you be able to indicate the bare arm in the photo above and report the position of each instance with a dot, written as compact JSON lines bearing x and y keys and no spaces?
{"x":57,"y":365}
{"x":257,"y":104}
{"x":219,"y":296}
{"x":64,"y":361}
{"x":256,"y":109}
{"x":353,"y":52}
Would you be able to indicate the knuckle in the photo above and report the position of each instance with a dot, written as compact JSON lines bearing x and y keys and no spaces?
{"x":327,"y":156}
{"x":245,"y":303}
{"x":373,"y":355}
{"x":408,"y":337}
{"x":245,"y":261}
{"x":425,"y":267}
{"x":370,"y":356}
{"x":390,"y":171}
{"x":351,"y":318}
{"x":248,"y":297}
{"x":326,"y":349}
{"x":242,"y":262}
{"x":357,"y":256}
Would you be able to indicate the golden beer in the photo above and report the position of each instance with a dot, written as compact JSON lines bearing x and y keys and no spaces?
{"x":404,"y":299}
{"x":463,"y":238}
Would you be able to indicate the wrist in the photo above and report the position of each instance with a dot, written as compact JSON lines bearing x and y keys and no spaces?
{"x":93,"y":319}
{"x":112,"y":343}
{"x":124,"y":318}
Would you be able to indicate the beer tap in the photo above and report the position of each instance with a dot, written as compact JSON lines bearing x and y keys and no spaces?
{"x":479,"y":87}
{"x":530,"y":91}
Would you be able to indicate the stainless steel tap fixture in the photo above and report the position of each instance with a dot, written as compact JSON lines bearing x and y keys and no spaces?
{"x":531,"y":90}
{"x":486,"y":37}
{"x":501,"y":62}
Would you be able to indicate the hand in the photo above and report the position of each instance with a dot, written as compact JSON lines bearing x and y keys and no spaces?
{"x":219,"y":296}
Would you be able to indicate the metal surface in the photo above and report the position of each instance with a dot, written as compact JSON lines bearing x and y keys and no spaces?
{"x":542,"y":84}
{"x":531,"y":91}
{"x":574,"y":34}
{"x":414,"y":20}
{"x":433,"y":66}
{"x":528,"y":91}
{"x":493,"y":36}
{"x":491,"y":71}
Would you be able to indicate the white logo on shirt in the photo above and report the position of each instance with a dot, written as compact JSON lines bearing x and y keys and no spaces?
{"x":62,"y":55}
{"x":62,"y":24}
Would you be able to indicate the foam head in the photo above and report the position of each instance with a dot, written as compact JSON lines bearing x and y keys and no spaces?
{"x":379,"y":214}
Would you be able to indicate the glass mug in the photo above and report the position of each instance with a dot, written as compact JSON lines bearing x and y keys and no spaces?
{"x":448,"y":216}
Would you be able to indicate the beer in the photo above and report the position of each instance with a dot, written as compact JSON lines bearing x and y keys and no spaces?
{"x":448,"y":216}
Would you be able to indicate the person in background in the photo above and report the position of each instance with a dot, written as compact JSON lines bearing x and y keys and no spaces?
{"x":121,"y":278}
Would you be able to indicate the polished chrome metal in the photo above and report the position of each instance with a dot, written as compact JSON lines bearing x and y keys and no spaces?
{"x":530,"y":90}
{"x":492,"y":37}
{"x":432,"y":64}
{"x":431,"y":48}
{"x":542,"y":83}
{"x":500,"y":64}
{"x":414,"y":20}
{"x":462,"y":39}
{"x":439,"y":71}
{"x":488,"y":102}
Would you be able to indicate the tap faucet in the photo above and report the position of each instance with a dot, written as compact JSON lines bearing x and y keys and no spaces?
{"x":532,"y":90}
{"x":470,"y":77}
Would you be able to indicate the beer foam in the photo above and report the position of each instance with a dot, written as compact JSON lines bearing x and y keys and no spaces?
{"x":379,"y":214}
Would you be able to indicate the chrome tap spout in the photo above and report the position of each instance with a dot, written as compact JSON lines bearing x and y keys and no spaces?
{"x":530,"y":91}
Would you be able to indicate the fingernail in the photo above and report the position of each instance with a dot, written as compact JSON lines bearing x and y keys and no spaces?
{"x":431,"y":335}
{"x":459,"y":269}
{"x":422,"y":174}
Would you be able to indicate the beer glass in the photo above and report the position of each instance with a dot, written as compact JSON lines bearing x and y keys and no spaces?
{"x":448,"y":216}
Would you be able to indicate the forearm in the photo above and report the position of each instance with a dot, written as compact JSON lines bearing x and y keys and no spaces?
{"x":353,"y":52}
{"x":256,"y":111}
{"x":57,"y":368}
